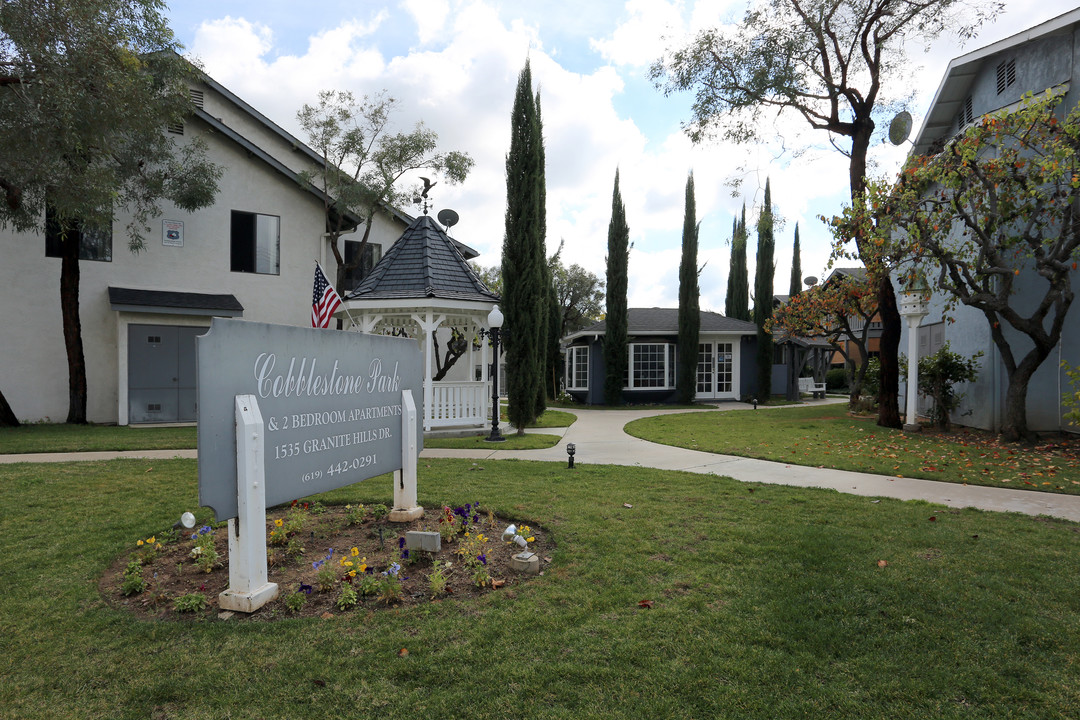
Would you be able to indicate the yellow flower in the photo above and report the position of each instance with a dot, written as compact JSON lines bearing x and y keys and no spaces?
{"x":347,"y":563}
{"x":279,"y":522}
{"x":363,"y":567}
{"x":152,"y":539}
{"x":355,"y":552}
{"x":352,"y":573}
{"x":530,"y":538}
{"x":140,"y":543}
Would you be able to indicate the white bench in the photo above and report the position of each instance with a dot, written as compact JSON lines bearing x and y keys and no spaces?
{"x":807,"y":385}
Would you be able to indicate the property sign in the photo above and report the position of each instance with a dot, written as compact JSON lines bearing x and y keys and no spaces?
{"x":172,"y":233}
{"x":331,"y":404}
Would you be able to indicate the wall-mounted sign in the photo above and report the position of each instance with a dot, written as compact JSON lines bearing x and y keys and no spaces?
{"x":172,"y":233}
{"x":330,"y":402}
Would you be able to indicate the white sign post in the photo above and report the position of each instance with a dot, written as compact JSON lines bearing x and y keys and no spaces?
{"x":405,"y":507}
{"x":248,"y":588}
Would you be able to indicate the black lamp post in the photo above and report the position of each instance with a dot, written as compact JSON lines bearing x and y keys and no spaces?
{"x":495,"y":321}
{"x":571,"y":449}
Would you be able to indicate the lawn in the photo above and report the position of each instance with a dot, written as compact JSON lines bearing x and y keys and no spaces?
{"x":766,"y":602}
{"x":511,"y":441}
{"x":47,"y":437}
{"x":826,"y":436}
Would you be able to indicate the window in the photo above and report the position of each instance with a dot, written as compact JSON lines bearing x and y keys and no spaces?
{"x":94,"y":243}
{"x":652,"y":365}
{"x":577,"y":368}
{"x":779,"y":354}
{"x":1006,"y":75}
{"x":255,"y":242}
{"x":371,"y":255}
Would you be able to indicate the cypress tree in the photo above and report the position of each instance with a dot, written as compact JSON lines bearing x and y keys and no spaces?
{"x":548,"y":342}
{"x":740,"y":278}
{"x":729,"y":297}
{"x":763,"y":296}
{"x":524,"y":299}
{"x":617,"y":318}
{"x":689,"y":292}
{"x":796,"y":267}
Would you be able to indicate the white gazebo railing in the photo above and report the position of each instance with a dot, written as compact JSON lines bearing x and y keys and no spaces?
{"x":456,"y":404}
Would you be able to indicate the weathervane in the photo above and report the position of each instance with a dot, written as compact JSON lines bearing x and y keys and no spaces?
{"x":424,"y":194}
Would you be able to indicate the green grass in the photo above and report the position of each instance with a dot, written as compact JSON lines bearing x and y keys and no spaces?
{"x":827,"y":436}
{"x":44,"y":438}
{"x":769,"y":602}
{"x":548,"y":419}
{"x":513,"y":441}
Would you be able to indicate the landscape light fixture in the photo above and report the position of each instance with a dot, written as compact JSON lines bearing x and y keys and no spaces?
{"x":754,"y":400}
{"x":509,"y":533}
{"x":570,"y":450}
{"x":186,"y":521}
{"x":495,"y":321}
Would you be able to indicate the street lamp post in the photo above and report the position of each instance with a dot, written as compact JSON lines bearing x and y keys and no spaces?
{"x":914,"y":306}
{"x":495,"y":321}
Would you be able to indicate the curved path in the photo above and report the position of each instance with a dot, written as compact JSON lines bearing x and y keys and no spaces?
{"x":600,"y":439}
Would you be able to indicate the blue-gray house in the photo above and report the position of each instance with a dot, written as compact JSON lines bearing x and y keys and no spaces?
{"x":725,"y":371}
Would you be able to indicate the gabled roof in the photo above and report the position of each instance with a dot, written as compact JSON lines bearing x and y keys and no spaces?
{"x":956,"y":85}
{"x":665,"y":321}
{"x":855,"y":273}
{"x":423,"y":263}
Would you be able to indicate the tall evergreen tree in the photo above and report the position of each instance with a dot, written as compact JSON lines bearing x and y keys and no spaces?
{"x":729,"y":297}
{"x":524,"y":299}
{"x":740,"y":277}
{"x":617,"y":319}
{"x":763,"y":296}
{"x":689,"y":292}
{"x":796,"y":267}
{"x":548,"y":342}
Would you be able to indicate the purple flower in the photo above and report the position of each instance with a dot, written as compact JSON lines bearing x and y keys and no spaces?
{"x":476,"y":518}
{"x":304,"y":588}
{"x":401,"y":543}
{"x":404,"y":554}
{"x":205,"y":529}
{"x":482,"y":557}
{"x":317,"y":564}
{"x":330,"y":553}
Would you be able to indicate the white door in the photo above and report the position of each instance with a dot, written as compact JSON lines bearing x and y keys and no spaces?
{"x":717,"y":372}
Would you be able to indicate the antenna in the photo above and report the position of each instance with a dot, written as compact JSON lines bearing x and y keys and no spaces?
{"x":900,"y":128}
{"x":448,"y":217}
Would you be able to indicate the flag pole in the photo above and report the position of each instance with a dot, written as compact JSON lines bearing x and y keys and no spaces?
{"x":343,"y":305}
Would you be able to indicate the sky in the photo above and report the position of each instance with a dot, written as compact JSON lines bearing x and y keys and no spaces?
{"x":454,"y":64}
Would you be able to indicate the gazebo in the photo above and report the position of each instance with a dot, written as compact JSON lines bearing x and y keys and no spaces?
{"x":422,"y":285}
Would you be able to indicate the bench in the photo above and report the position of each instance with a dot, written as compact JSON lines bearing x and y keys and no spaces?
{"x":807,"y":385}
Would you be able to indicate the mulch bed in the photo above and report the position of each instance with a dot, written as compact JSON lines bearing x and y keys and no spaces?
{"x":170,"y":571}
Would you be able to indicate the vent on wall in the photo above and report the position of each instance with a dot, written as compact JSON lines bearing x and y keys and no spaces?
{"x":176,"y":128}
{"x":153,"y":407}
{"x":965,"y":116}
{"x":1006,"y":75}
{"x":153,"y":339}
{"x":197,"y":98}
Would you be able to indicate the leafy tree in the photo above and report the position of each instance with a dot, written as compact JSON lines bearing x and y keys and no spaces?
{"x":363,"y":161}
{"x":825,"y":61}
{"x":689,"y":296}
{"x":524,"y":297}
{"x":763,"y":295}
{"x":839,"y":311}
{"x":617,"y":318}
{"x":739,"y":276}
{"x":87,"y":88}
{"x":795,"y":286}
{"x":996,"y":211}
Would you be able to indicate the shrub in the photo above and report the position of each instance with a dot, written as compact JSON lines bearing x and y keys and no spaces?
{"x":836,"y":380}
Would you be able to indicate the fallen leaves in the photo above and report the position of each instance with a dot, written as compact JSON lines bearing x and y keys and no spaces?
{"x":646,"y":604}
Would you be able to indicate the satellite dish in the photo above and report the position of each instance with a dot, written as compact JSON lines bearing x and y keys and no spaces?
{"x":900,"y":128}
{"x":810,"y":281}
{"x":448,"y":217}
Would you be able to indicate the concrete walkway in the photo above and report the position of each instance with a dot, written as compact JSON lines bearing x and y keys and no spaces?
{"x":599,"y":438}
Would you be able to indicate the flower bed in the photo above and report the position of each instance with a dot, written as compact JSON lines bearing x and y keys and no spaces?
{"x":326,"y":560}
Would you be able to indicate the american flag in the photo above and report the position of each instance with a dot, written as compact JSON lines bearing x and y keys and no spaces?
{"x":324,"y":300}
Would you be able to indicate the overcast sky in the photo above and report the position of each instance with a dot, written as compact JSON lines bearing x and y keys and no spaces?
{"x":454,"y":64}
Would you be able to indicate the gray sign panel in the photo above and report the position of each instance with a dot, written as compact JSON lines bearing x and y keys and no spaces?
{"x":330,"y":401}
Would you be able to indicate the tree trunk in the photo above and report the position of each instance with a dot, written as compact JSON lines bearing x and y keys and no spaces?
{"x":69,"y":307}
{"x":889,"y":387}
{"x":1014,"y":425}
{"x":7,"y":415}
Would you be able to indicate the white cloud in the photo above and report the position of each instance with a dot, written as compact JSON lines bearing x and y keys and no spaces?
{"x":430,"y":17}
